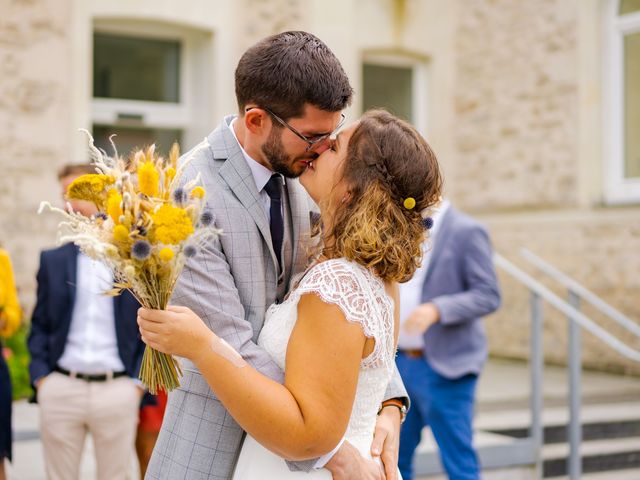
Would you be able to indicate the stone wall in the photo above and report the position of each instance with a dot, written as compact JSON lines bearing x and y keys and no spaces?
{"x":261,"y":18}
{"x":34,"y":126}
{"x":515,"y":104}
{"x":518,"y":166}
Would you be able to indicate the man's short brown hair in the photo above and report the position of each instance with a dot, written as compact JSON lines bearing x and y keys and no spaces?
{"x":283,"y":72}
{"x":75,"y":169}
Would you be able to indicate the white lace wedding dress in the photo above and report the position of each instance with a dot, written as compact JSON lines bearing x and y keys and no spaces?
{"x":363,"y":299}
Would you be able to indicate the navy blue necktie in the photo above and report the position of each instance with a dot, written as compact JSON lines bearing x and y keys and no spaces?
{"x":274,"y":190}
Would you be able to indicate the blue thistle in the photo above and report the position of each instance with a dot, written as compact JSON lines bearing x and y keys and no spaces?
{"x":206,"y":218}
{"x":428,"y":223}
{"x":179,"y":196}
{"x":190,"y":251}
{"x":141,"y":250}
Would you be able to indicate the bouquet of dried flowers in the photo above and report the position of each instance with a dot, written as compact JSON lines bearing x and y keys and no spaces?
{"x":147,"y":224}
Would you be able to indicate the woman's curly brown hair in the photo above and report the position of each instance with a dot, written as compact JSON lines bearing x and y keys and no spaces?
{"x":387,"y":161}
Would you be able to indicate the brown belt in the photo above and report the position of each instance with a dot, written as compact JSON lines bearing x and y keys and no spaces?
{"x":412,"y":353}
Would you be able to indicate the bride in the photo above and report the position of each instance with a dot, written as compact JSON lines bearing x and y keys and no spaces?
{"x":335,"y":334}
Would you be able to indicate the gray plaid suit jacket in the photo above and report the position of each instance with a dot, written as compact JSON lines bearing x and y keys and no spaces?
{"x":229,"y":284}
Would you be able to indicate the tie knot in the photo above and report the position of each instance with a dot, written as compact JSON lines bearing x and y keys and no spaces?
{"x":273,"y":187}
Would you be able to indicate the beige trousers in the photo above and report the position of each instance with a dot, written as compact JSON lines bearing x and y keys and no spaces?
{"x":69,"y":408}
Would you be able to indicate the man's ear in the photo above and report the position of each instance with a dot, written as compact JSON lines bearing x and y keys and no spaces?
{"x":257,"y":121}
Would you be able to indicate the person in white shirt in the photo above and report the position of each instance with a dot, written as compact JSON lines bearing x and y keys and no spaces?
{"x":442,"y":346}
{"x":85,"y":357}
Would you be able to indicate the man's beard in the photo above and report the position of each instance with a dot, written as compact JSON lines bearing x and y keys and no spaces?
{"x":281,"y":162}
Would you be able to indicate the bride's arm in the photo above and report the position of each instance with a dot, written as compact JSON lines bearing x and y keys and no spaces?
{"x":308,"y":415}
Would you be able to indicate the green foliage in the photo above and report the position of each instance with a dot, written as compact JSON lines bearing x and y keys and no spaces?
{"x":17,"y":357}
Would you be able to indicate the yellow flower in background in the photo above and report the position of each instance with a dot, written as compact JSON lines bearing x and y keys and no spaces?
{"x":120,"y":233}
{"x":148,"y":177}
{"x":166,"y":254}
{"x":198,"y":192}
{"x":171,"y":225}
{"x":114,"y":205}
{"x":90,"y":187}
{"x":170,"y":173}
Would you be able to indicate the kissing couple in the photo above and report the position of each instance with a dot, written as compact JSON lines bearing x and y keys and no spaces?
{"x":288,"y":321}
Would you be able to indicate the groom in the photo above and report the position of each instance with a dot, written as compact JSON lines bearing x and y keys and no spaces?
{"x":291,"y":90}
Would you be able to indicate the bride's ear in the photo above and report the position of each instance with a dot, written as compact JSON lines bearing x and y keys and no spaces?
{"x":346,"y":197}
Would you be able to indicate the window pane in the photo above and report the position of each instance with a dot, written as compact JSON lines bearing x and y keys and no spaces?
{"x":632,"y":105}
{"x":388,"y":87}
{"x":129,"y":138}
{"x":629,"y":6}
{"x":136,"y":68}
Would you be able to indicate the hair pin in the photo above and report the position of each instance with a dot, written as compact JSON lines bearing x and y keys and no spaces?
{"x":409,"y":203}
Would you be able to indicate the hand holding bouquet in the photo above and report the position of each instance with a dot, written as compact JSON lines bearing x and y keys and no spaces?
{"x":146,"y":226}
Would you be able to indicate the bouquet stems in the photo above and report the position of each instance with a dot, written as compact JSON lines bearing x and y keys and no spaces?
{"x":159,"y":371}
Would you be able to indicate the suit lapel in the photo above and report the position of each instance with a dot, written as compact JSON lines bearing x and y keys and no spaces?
{"x":237,"y":174}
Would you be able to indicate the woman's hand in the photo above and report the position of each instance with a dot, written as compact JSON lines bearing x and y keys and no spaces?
{"x":176,"y":330}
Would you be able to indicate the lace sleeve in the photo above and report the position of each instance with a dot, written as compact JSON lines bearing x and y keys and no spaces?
{"x":360,"y":296}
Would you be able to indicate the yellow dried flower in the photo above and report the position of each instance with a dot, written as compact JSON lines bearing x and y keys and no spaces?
{"x":114,"y":205}
{"x":171,"y":225}
{"x":120,"y":233}
{"x":111,"y":251}
{"x":148,"y":177}
{"x":90,"y":187}
{"x":166,"y":254}
{"x":198,"y":192}
{"x":409,"y":203}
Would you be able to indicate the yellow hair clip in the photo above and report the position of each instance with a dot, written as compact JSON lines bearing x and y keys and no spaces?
{"x":409,"y":203}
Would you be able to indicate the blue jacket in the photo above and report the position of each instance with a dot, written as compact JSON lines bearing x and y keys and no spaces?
{"x":52,"y":315}
{"x":461,"y":282}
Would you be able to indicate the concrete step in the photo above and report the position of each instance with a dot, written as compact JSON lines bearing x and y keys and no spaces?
{"x":558,"y":416}
{"x":627,"y":474}
{"x":505,"y":385}
{"x":597,"y":456}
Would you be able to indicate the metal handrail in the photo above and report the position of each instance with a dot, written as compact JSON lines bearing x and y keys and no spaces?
{"x":581,"y":291}
{"x":571,"y":312}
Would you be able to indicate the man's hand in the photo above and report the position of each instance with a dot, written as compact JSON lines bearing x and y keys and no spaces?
{"x":386,"y":440}
{"x":348,"y":464}
{"x":422,"y":318}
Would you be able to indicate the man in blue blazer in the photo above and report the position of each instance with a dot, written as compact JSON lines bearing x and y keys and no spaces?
{"x":442,"y":345}
{"x":85,"y":357}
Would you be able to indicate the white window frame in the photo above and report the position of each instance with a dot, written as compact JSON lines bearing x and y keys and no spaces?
{"x":419,"y":82}
{"x":618,"y":189}
{"x":163,"y":115}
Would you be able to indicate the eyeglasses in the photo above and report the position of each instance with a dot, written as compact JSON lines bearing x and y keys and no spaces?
{"x":311,"y":141}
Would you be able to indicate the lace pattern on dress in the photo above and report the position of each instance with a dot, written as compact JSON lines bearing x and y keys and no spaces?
{"x":352,"y":288}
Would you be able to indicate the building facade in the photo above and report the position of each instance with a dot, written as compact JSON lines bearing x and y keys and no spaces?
{"x":533,"y":107}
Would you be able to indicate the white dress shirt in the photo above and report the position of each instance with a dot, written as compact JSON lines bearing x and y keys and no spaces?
{"x":92,"y":345}
{"x":411,"y":291}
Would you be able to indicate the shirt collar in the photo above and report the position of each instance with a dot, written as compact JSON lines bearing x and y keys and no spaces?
{"x":261,"y":174}
{"x":438,"y":216}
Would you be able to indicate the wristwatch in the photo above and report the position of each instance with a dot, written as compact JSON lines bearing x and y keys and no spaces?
{"x":394,"y":402}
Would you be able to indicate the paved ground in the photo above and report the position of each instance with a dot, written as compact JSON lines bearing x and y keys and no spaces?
{"x":503,"y":384}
